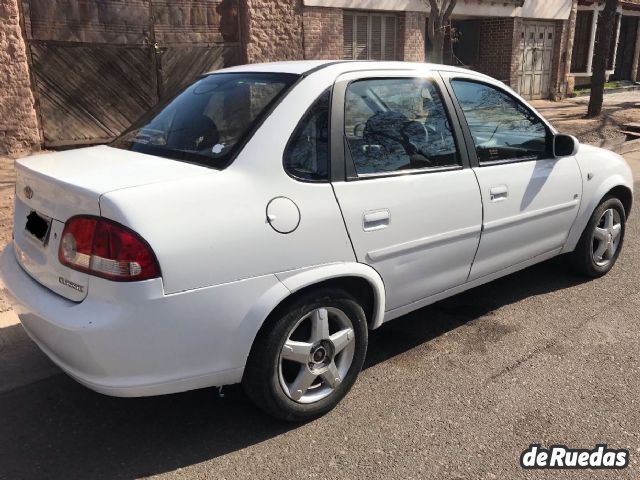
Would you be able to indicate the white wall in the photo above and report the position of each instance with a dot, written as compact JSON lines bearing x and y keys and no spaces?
{"x":542,"y":9}
{"x":547,"y":9}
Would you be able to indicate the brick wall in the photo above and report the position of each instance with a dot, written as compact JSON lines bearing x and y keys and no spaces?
{"x":18,"y":123}
{"x":323,"y":33}
{"x":271,"y":30}
{"x":411,"y":37}
{"x":498,"y":53}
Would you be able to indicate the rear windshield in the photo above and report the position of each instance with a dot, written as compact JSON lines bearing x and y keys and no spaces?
{"x":209,"y":121}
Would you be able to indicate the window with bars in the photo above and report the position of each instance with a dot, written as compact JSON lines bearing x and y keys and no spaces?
{"x":585,"y":36}
{"x":370,"y":36}
{"x":582,"y":41}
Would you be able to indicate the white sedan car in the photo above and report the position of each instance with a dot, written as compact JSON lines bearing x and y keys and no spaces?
{"x":254,"y":228}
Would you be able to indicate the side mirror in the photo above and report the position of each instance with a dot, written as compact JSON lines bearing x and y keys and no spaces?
{"x":565,"y":146}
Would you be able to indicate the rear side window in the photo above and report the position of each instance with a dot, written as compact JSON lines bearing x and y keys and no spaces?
{"x":503,"y":129}
{"x":307,"y":155}
{"x":398,"y":124}
{"x":209,"y":121}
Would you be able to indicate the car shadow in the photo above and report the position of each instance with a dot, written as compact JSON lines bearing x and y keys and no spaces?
{"x":428,"y":323}
{"x":55,"y":428}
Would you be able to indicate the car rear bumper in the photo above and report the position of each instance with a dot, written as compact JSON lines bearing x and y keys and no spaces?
{"x":130,"y":339}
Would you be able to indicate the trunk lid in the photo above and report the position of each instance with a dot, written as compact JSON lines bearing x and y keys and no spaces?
{"x":51,"y":188}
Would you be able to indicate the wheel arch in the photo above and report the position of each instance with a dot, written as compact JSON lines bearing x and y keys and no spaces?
{"x":616,"y":186}
{"x":625,"y":195}
{"x":348,"y":276}
{"x":359,"y":280}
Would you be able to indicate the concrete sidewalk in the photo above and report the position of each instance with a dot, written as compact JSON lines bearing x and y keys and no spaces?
{"x":567,"y":117}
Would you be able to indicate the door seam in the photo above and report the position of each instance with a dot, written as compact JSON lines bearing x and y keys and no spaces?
{"x":344,"y":222}
{"x":481,"y":224}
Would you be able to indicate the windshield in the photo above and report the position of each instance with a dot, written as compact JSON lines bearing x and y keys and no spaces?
{"x":209,"y":121}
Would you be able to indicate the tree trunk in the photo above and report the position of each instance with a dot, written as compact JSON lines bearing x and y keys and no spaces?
{"x":437,"y":49}
{"x":604,"y":37}
{"x":439,"y":17}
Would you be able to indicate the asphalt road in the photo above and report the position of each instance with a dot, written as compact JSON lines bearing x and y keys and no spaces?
{"x":454,"y":391}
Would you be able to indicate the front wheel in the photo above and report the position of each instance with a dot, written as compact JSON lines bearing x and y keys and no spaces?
{"x":602,"y":240}
{"x":307,"y":357}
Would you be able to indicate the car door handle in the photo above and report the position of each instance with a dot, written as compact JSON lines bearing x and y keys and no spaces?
{"x":499,"y":193}
{"x":376,"y":220}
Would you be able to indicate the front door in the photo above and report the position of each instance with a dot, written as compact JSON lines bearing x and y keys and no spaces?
{"x":537,"y":41}
{"x":530,"y":198}
{"x":410,"y":202}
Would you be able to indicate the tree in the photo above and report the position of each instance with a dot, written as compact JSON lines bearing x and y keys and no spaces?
{"x":439,"y":16}
{"x":604,"y":37}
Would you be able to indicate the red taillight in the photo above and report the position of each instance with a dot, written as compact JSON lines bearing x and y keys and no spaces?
{"x":106,"y":249}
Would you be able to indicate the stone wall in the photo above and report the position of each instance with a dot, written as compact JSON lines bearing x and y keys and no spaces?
{"x":323,"y":33}
{"x":18,"y":122}
{"x":571,"y":31}
{"x":561,"y":55}
{"x":271,"y":30}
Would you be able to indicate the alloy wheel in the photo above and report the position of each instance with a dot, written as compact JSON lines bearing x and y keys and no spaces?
{"x":317,"y":355}
{"x":606,"y":237}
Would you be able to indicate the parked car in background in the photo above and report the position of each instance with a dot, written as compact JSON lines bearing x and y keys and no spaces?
{"x":254,"y":228}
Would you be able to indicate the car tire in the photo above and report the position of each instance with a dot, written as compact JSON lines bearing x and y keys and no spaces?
{"x":294,"y":345}
{"x":605,"y":230}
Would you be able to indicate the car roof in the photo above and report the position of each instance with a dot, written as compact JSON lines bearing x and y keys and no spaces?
{"x":306,"y":67}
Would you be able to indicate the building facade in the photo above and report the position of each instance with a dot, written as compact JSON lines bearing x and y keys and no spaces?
{"x":80,"y":71}
{"x":625,"y":48}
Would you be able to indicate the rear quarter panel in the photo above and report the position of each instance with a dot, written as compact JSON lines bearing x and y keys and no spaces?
{"x":213,"y":229}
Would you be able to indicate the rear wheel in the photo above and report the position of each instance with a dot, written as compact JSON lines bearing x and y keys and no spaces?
{"x":602,"y":240}
{"x":307,"y":357}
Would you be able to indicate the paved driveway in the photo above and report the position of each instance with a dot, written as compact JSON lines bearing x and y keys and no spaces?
{"x":456,"y":390}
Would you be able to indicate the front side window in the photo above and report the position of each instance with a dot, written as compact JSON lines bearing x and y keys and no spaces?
{"x":398,"y":124}
{"x":307,"y":155}
{"x":208,"y":122}
{"x":503,"y":129}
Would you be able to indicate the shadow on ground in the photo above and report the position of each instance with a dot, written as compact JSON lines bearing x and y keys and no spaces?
{"x":55,"y":428}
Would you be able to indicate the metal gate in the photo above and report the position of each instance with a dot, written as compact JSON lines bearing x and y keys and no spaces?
{"x":99,"y":64}
{"x":536,"y":46}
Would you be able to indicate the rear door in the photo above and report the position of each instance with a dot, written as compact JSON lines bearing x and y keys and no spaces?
{"x":530,"y":198}
{"x":410,"y":202}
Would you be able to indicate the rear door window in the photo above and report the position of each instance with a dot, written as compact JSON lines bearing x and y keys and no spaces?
{"x":398,"y":124}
